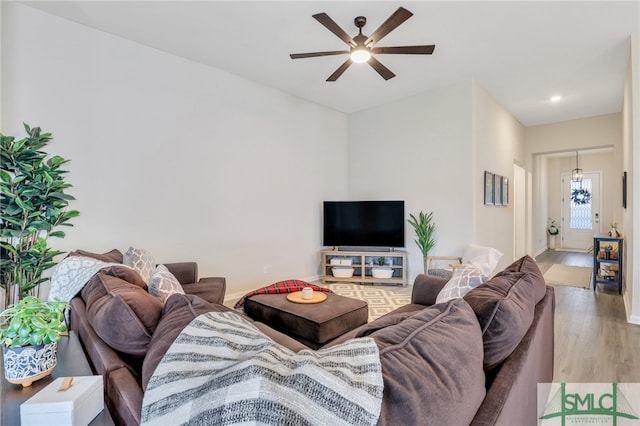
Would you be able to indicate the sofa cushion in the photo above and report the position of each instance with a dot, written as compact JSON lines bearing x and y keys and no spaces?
{"x":140,"y":260}
{"x":125,"y":273}
{"x":163,"y":284}
{"x":528,"y":264}
{"x":113,"y":256}
{"x":95,"y":287}
{"x":464,"y":278}
{"x":179,"y":310}
{"x":426,"y":375}
{"x":504,"y":306}
{"x":122,"y":314}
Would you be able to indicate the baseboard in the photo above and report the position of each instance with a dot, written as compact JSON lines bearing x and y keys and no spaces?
{"x":633,"y":319}
{"x":572,"y":250}
{"x":316,"y":279}
{"x":539,"y":252}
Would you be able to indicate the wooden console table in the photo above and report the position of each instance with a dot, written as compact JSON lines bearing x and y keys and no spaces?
{"x":71,"y":362}
{"x":363,"y":262}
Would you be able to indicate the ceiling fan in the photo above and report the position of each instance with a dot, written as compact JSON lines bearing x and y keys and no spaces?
{"x":362,"y":47}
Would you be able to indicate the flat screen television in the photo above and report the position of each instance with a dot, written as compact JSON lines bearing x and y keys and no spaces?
{"x":363,"y":223}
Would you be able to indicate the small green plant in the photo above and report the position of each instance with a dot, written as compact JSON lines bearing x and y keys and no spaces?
{"x":425,"y":231}
{"x":553,"y":229}
{"x":32,"y":321}
{"x":380,"y":261}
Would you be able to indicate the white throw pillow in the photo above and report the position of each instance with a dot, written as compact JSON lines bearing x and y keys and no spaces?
{"x":163,"y":284}
{"x":141,"y":261}
{"x":464,"y":278}
{"x":484,"y":258}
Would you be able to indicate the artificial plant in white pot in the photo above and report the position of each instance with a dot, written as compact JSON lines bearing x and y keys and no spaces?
{"x":29,"y":332}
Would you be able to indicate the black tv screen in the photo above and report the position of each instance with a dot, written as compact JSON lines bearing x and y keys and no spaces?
{"x":363,"y":223}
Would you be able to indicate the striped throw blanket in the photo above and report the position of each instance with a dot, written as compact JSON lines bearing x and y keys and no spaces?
{"x":222,"y":370}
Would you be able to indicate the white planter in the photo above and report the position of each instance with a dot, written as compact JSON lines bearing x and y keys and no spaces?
{"x":30,"y":363}
{"x":552,"y":242}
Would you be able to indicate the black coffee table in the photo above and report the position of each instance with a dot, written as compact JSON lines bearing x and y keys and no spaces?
{"x":71,"y":362}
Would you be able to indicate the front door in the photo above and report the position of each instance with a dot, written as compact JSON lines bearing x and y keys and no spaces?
{"x":580,"y":211}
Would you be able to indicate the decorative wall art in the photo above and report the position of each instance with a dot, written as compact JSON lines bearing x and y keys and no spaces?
{"x":488,"y":188}
{"x":505,"y":191}
{"x":496,"y":190}
{"x":624,"y":190}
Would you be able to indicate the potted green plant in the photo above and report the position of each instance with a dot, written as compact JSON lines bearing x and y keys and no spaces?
{"x":425,"y":231}
{"x":29,"y":332}
{"x":34,"y":204}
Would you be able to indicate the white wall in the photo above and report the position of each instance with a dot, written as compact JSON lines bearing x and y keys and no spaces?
{"x":187,"y":161}
{"x":498,"y":144}
{"x":432,"y":150}
{"x":418,"y":150}
{"x":631,"y":163}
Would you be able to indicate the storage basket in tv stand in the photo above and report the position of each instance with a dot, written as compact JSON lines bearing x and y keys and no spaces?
{"x":362,"y":263}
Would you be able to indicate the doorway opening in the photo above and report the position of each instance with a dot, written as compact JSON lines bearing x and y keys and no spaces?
{"x":581,"y":207}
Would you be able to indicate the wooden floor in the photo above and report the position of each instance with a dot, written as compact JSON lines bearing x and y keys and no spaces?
{"x":593,"y":340}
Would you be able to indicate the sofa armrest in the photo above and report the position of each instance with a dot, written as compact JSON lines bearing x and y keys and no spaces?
{"x":211,"y":289}
{"x":185,"y":272}
{"x":426,"y":289}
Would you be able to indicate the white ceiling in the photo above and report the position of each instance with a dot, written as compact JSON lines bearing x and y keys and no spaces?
{"x":521,"y":52}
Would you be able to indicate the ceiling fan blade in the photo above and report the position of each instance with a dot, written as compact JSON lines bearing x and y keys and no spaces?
{"x":381,"y":69}
{"x":314,"y":54}
{"x":392,"y":22}
{"x":406,"y":50}
{"x":331,"y":25}
{"x":342,"y":68}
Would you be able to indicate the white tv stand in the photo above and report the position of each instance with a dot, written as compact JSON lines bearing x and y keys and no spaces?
{"x":362,"y":262}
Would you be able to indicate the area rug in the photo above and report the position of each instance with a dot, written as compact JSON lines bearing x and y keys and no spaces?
{"x":381,"y":299}
{"x":574,"y":276}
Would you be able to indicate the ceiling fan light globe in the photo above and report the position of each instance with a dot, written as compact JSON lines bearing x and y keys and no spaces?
{"x":360,"y":56}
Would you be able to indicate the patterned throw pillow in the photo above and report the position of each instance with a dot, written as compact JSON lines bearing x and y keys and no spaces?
{"x":163,"y":284}
{"x":465,"y":278}
{"x":141,"y":261}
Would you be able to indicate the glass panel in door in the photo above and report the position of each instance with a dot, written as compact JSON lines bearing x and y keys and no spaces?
{"x":580,"y":211}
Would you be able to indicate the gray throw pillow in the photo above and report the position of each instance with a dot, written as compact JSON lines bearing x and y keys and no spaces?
{"x":464,"y":279}
{"x":163,"y":284}
{"x":141,"y":261}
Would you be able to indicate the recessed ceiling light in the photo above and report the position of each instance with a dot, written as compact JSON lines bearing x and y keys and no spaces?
{"x":556,"y":98}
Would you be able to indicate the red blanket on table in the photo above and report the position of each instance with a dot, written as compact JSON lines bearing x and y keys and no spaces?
{"x":287,"y":286}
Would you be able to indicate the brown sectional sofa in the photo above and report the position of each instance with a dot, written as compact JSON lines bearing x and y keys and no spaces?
{"x":475,"y":360}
